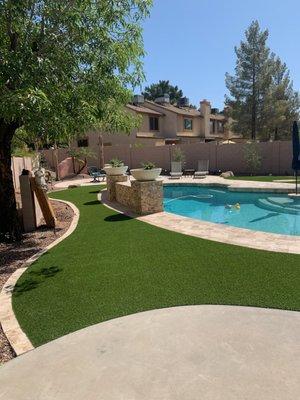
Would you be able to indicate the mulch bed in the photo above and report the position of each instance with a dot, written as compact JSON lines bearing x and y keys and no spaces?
{"x":12,"y":257}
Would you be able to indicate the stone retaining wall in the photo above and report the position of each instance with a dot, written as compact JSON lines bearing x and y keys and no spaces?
{"x":141,"y":197}
{"x":111,"y":185}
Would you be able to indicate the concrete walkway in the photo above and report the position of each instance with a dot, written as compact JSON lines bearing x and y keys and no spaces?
{"x":182,"y":353}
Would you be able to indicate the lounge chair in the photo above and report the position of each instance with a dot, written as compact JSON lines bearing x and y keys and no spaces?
{"x":96,"y":174}
{"x":176,"y":170}
{"x":202,"y":170}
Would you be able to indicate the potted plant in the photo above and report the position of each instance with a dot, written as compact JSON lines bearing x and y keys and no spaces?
{"x":178,"y":159}
{"x":147,"y":173}
{"x":116,"y":167}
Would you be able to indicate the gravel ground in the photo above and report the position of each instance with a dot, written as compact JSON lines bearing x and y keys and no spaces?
{"x":12,"y":257}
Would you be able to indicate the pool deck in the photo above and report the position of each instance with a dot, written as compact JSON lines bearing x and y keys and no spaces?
{"x":234,"y":185}
{"x":216,"y":232}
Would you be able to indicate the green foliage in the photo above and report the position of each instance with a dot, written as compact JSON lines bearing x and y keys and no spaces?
{"x":178,"y":155}
{"x":79,"y":156}
{"x":281,"y":103}
{"x":159,"y":89}
{"x":252,"y":157}
{"x":148,"y":165}
{"x":66,"y":66}
{"x":262,"y":101}
{"x":115,"y":162}
{"x":23,"y":152}
{"x":81,"y":153}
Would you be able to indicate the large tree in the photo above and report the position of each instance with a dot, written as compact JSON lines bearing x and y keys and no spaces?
{"x":262,"y":100}
{"x":65,"y":66}
{"x":163,"y":87}
{"x":251,"y":81}
{"x":281,"y":103}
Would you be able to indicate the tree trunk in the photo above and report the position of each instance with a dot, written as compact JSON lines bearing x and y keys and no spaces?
{"x":253,"y":101}
{"x":253,"y":112}
{"x":10,"y":227}
{"x":55,"y":157}
{"x":101,"y":151}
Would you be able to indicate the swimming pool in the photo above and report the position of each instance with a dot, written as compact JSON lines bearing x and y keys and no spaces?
{"x":266,"y":212}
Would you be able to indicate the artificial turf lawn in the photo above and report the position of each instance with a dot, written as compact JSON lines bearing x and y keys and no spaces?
{"x":265,"y":178}
{"x":113,"y":266}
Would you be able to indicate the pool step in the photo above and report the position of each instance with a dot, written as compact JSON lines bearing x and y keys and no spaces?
{"x":278,"y":204}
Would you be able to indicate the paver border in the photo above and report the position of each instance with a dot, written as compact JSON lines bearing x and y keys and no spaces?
{"x":11,"y":328}
{"x":211,"y":231}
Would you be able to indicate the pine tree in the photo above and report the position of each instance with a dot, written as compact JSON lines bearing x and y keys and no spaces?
{"x":251,"y":81}
{"x":281,"y":103}
{"x":262,"y":100}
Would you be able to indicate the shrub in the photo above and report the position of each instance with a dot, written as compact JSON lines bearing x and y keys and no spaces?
{"x":252,"y":157}
{"x":115,"y":162}
{"x":178,"y":155}
{"x":148,"y":165}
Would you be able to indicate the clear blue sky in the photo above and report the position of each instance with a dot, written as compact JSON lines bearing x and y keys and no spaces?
{"x":191,"y":42}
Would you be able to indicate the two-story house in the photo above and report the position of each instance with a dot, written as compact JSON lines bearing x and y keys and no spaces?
{"x":163,"y":123}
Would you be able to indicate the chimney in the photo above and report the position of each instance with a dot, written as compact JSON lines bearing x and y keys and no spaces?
{"x":205,"y":107}
{"x":205,"y":110}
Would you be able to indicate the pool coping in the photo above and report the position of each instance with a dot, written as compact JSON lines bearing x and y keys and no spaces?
{"x":212,"y":231}
{"x":17,"y":338}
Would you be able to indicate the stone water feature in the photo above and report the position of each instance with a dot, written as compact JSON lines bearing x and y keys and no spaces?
{"x":141,"y":197}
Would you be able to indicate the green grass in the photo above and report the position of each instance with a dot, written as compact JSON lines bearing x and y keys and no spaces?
{"x":113,"y":266}
{"x":266,"y":178}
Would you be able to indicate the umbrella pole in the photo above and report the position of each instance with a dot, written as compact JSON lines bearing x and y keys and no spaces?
{"x":296,"y":181}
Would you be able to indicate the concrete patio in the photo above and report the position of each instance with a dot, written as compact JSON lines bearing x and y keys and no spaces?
{"x":186,"y":353}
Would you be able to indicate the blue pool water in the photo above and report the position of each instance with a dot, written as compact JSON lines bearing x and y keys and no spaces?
{"x":267,"y":212}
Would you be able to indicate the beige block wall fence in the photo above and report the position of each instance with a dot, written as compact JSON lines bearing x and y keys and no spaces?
{"x":27,"y":204}
{"x":276,"y":156}
{"x":17,"y":165}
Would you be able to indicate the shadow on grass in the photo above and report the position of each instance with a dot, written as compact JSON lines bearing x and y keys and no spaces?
{"x":95,"y":191}
{"x":91,"y":203}
{"x":35,"y":278}
{"x":117,"y":218}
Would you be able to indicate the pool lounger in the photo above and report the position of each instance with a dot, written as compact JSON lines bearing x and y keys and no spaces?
{"x":175,"y":175}
{"x":202,"y":169}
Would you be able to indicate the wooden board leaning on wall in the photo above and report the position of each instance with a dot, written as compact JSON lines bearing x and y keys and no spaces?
{"x":44,"y":203}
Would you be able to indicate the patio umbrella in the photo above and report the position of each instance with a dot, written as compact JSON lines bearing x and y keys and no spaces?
{"x":296,"y":152}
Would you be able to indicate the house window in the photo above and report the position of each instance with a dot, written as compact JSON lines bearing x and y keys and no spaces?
{"x":212,"y":126}
{"x":220,"y":127}
{"x":83,"y":142}
{"x":188,"y":124}
{"x":153,"y":123}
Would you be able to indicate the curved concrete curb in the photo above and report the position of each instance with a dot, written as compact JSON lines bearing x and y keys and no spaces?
{"x":11,"y":328}
{"x":189,"y":353}
{"x":210,"y":231}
